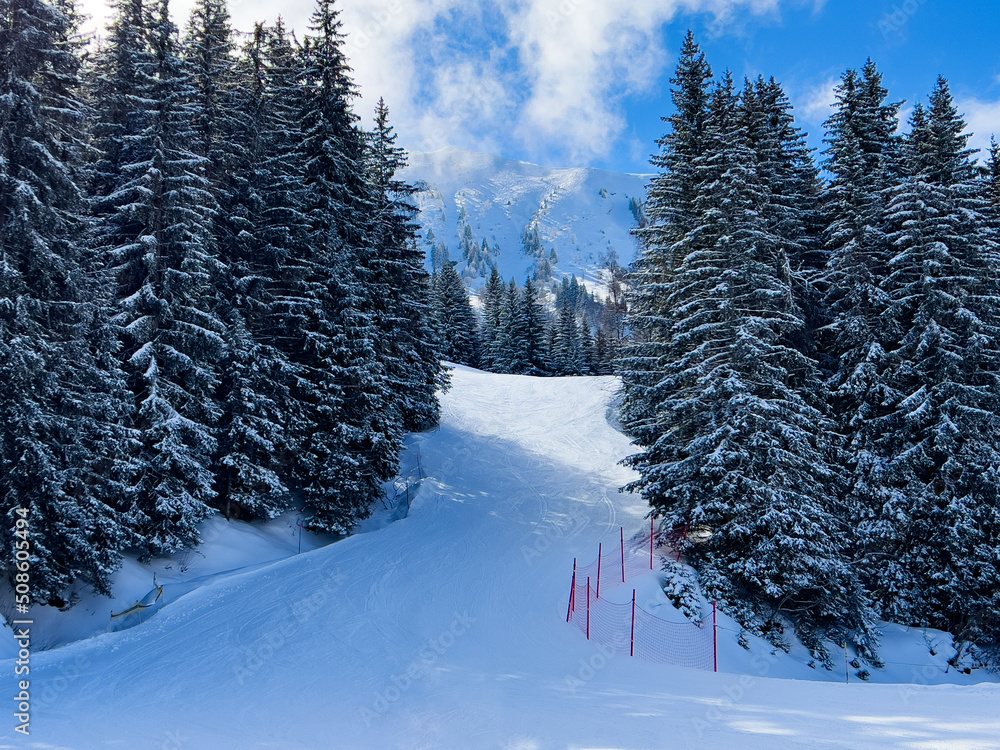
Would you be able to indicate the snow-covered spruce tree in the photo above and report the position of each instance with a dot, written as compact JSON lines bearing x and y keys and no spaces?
{"x":407,"y":344}
{"x":439,"y":256}
{"x":256,"y":229}
{"x":567,"y":355}
{"x":62,"y":451}
{"x":786,"y":170}
{"x":228,"y":111}
{"x":861,"y":156}
{"x":939,"y":529}
{"x":862,"y":159}
{"x":156,"y":228}
{"x":991,"y":181}
{"x":513,"y":333}
{"x":253,"y":431}
{"x":114,"y":85}
{"x":455,"y":319}
{"x":671,"y":215}
{"x":352,"y":432}
{"x":491,"y":297}
{"x":217,"y":105}
{"x":735,"y":449}
{"x":534,"y":327}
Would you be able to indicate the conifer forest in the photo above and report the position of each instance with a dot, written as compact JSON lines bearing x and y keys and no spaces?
{"x":214,"y":301}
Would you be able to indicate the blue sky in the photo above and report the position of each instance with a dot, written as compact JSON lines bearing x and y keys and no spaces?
{"x":585,"y":82}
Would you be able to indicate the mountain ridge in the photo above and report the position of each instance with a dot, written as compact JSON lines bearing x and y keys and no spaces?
{"x":581,"y":213}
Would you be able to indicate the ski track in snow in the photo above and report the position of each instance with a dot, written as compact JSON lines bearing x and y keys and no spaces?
{"x":313,"y":651}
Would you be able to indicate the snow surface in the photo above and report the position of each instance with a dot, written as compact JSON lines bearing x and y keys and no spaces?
{"x":582,"y":213}
{"x":446,"y":629}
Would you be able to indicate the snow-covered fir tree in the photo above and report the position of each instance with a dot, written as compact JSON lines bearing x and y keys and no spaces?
{"x":735,"y":446}
{"x":671,"y":215}
{"x":512,"y":339}
{"x":454,"y":318}
{"x":407,"y":343}
{"x":786,"y":170}
{"x":491,"y":299}
{"x":861,"y":157}
{"x":352,"y":433}
{"x":568,"y":355}
{"x":935,"y":542}
{"x":63,"y":449}
{"x":534,"y":326}
{"x":156,"y":228}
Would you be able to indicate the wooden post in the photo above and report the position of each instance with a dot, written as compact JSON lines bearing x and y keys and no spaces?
{"x":572,"y":594}
{"x":651,"y":534}
{"x":631,"y":651}
{"x":588,"y":608}
{"x":600,"y":548}
{"x":623,"y":554}
{"x":715,"y":638}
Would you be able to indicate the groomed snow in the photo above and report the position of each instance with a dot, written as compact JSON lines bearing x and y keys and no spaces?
{"x":446,"y":629}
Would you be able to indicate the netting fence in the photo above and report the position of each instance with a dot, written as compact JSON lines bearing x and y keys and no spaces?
{"x":627,"y":628}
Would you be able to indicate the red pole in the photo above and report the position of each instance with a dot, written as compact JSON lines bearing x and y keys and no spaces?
{"x":684,"y":537}
{"x":599,"y":554}
{"x":623,"y":554}
{"x":631,"y":651}
{"x":651,"y":534}
{"x":588,"y":608}
{"x":572,"y":594}
{"x":715,"y":638}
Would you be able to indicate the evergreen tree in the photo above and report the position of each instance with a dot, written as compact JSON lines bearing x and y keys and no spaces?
{"x":352,"y":433}
{"x":456,"y":321}
{"x":786,"y":170}
{"x":253,"y":434}
{"x":62,"y":453}
{"x":534,"y":332}
{"x":992,"y":180}
{"x":862,"y":157}
{"x":408,"y":346}
{"x":670,"y":209}
{"x":512,"y":343}
{"x":208,"y":51}
{"x":735,"y":446}
{"x":940,"y":526}
{"x":156,"y":228}
{"x":567,"y":355}
{"x":439,"y":257}
{"x":491,"y":298}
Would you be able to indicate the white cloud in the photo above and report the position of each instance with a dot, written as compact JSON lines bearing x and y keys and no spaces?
{"x":544,"y":76}
{"x":816,"y":102}
{"x":983,"y":119}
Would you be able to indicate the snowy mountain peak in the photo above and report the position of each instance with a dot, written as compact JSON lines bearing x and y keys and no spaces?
{"x":523,"y":212}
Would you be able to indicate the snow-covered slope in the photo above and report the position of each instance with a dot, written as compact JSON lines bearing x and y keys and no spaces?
{"x":446,"y":629}
{"x":581,"y":213}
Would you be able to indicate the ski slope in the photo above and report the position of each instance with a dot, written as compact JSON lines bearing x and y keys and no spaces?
{"x":446,"y":629}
